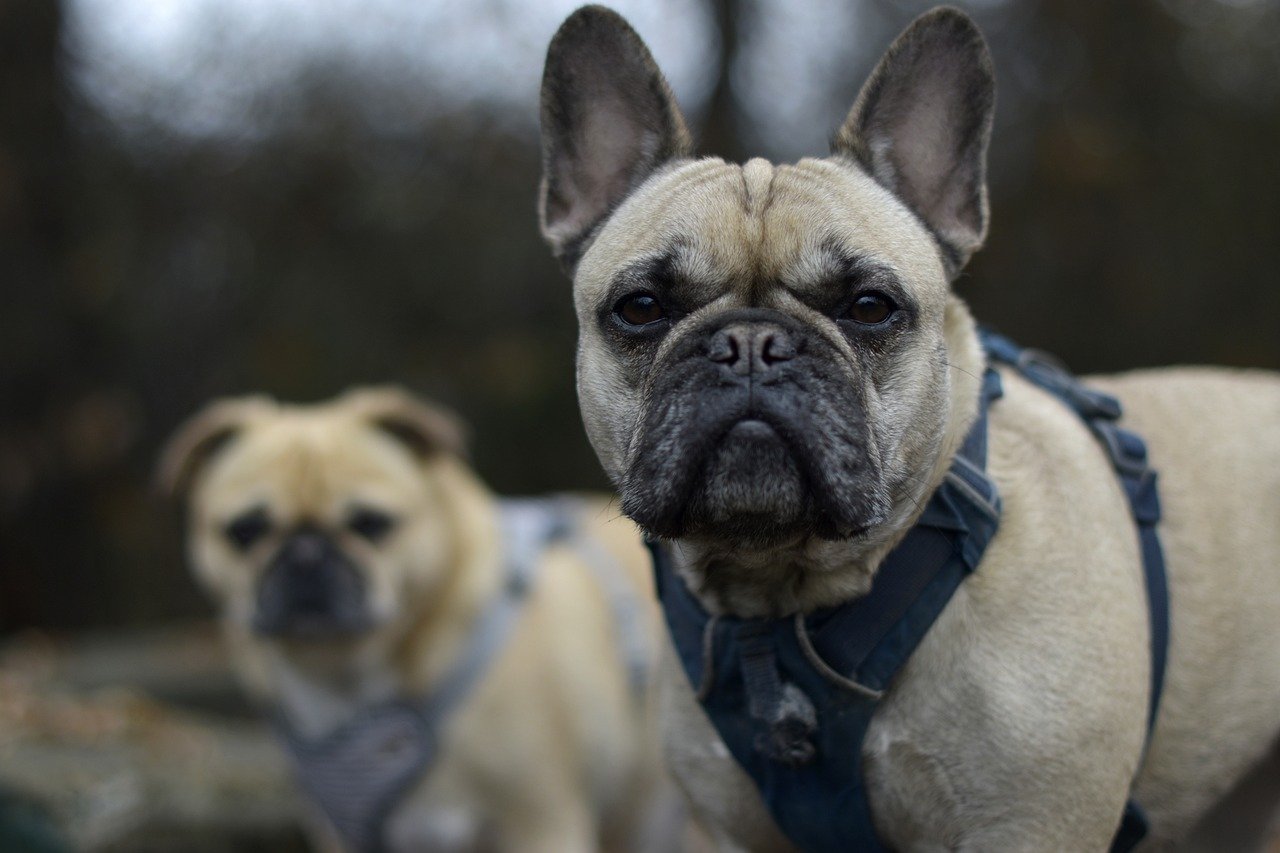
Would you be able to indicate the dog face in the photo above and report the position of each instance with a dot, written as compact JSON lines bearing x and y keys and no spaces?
{"x":316,"y":523}
{"x":766,"y":352}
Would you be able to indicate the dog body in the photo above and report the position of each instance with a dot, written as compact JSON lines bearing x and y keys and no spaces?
{"x":774,"y":370}
{"x":1019,"y":722}
{"x":553,"y":749}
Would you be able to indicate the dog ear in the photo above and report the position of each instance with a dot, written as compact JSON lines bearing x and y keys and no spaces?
{"x":425,"y":429}
{"x":608,"y":121}
{"x":201,"y":437}
{"x":921,"y":125}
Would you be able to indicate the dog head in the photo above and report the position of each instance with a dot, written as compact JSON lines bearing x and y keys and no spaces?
{"x":770,"y":356}
{"x":318,"y":523}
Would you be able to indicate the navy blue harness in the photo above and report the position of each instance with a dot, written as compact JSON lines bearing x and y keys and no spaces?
{"x":792,"y":697}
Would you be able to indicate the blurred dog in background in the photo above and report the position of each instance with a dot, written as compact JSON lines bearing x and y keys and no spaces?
{"x":447,"y":670}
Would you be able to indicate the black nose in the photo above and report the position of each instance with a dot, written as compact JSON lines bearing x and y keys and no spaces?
{"x":751,"y":348}
{"x":306,"y":549}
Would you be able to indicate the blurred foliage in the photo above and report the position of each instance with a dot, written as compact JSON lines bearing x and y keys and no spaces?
{"x":1135,"y":196}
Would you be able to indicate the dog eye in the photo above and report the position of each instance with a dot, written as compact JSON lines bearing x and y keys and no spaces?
{"x":371,"y":524}
{"x":871,"y":309}
{"x":247,"y":528}
{"x":639,"y":309}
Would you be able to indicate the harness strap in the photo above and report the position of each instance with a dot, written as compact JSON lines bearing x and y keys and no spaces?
{"x":1128,"y":455}
{"x":358,"y":773}
{"x":528,"y":526}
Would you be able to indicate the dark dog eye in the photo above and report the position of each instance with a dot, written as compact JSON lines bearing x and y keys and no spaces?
{"x":247,"y":528}
{"x":371,"y":524}
{"x":871,"y":309}
{"x":639,"y":309}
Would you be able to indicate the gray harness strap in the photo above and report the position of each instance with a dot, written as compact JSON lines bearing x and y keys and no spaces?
{"x":359,"y":772}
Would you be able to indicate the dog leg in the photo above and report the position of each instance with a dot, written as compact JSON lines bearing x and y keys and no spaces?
{"x":721,"y":796}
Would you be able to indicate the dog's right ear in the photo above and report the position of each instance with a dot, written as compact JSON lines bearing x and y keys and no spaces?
{"x":201,"y":437}
{"x":921,"y":127}
{"x":425,"y":429}
{"x":608,"y":121}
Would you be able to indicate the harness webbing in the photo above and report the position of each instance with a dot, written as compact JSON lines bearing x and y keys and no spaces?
{"x":1128,"y":454}
{"x":792,"y":698}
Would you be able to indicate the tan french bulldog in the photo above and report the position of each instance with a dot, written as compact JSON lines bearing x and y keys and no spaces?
{"x":353,"y":555}
{"x":777,"y":374}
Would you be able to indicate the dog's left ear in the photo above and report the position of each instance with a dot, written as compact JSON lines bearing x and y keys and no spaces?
{"x":609,"y":121}
{"x":198,"y":440}
{"x":424,"y":428}
{"x":921,"y":126}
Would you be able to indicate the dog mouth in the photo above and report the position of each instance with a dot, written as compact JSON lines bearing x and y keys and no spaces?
{"x":755,"y":479}
{"x":311,"y":592}
{"x":754,"y":432}
{"x":752,"y":486}
{"x":751,"y":471}
{"x":312,"y":628}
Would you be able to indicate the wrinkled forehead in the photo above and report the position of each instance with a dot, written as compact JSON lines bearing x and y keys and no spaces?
{"x":735,"y":225}
{"x":305,"y":463}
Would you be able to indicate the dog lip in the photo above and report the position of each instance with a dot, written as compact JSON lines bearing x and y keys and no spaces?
{"x":312,"y":628}
{"x":859,"y":532}
{"x":751,"y":427}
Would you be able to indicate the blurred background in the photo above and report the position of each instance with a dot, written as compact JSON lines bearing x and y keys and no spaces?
{"x":209,"y":197}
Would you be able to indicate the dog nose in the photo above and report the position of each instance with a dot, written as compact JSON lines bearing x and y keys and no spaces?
{"x":751,"y":348}
{"x":305,"y":548}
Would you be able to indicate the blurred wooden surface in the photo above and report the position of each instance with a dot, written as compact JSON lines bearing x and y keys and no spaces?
{"x":141,"y":743}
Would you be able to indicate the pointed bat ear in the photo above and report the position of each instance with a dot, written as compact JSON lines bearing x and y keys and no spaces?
{"x":921,"y":126}
{"x":609,"y":121}
{"x":424,"y":428}
{"x":200,"y":438}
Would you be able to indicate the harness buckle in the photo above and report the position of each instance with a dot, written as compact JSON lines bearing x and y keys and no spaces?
{"x":783,"y":707}
{"x":1127,"y":452}
{"x":789,"y":740}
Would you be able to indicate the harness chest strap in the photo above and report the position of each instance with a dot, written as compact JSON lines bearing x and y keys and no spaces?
{"x":358,"y":773}
{"x":793,"y":698}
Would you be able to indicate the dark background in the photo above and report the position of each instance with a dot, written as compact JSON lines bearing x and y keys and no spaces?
{"x":355,"y":221}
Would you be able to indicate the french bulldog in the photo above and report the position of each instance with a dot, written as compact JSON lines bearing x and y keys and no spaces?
{"x":352,"y":552}
{"x":776,"y":371}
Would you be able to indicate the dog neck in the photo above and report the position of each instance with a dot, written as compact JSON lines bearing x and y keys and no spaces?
{"x":442,"y":624}
{"x":318,"y":687}
{"x":811,"y":573}
{"x":316,"y":692}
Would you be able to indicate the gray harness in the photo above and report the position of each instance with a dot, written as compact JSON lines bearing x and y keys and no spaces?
{"x":358,"y":773}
